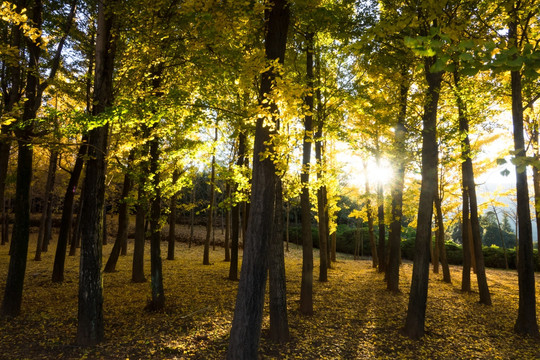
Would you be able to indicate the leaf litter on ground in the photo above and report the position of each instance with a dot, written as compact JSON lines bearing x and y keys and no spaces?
{"x":355,"y":317}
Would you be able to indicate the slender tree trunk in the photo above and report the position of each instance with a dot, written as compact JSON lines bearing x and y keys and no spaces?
{"x":470,"y":189}
{"x":287,"y":227}
{"x":67,"y":214}
{"x":440,"y":240}
{"x":502,"y":237}
{"x":47,"y":211}
{"x":76,"y":236}
{"x":416,"y":311}
{"x":279,"y":324}
{"x":235,"y":212}
{"x":526,"y":322}
{"x":192,"y":217}
{"x":321,"y":209}
{"x":394,"y":235}
{"x":172,"y":220}
{"x":536,"y":187}
{"x":306,"y":288}
{"x":369,"y":211}
{"x":90,"y":329}
{"x":210,"y":220}
{"x":466,"y":240}
{"x":227,"y":225}
{"x":137,"y":272}
{"x":5,"y":148}
{"x":246,"y":325}
{"x":123,"y":221}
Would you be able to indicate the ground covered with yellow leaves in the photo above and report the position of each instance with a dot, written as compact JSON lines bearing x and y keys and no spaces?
{"x":355,"y":317}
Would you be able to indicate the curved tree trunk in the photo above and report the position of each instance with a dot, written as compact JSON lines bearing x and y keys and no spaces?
{"x":67,"y":214}
{"x":248,"y":312}
{"x":123,"y":222}
{"x":416,"y":311}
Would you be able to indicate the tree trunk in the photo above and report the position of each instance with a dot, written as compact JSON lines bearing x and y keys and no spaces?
{"x":502,"y":237}
{"x":235,"y":212}
{"x":172,"y":220}
{"x":369,"y":211}
{"x":11,"y":305}
{"x":394,"y":235}
{"x":192,"y":217}
{"x":227,"y":224}
{"x":246,"y":325}
{"x":210,"y":220}
{"x":137,"y":273}
{"x":47,"y":211}
{"x":526,"y":322}
{"x":416,"y":311}
{"x":440,"y":240}
{"x":67,"y":214}
{"x":381,"y":250}
{"x":466,"y":240}
{"x":123,"y":221}
{"x":470,"y":189}
{"x":156,"y":271}
{"x":90,"y":314}
{"x":279,"y":324}
{"x":321,"y":208}
{"x":76,"y":235}
{"x":306,"y":288}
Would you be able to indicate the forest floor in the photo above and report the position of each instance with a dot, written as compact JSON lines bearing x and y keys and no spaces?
{"x":355,"y":317}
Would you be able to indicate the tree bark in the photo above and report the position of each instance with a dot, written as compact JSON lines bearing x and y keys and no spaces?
{"x":76,"y":235}
{"x":90,"y":329}
{"x":470,"y":189}
{"x":137,"y":272}
{"x":526,"y":322}
{"x":369,"y":211}
{"x":440,"y":240}
{"x":11,"y":305}
{"x":123,"y":220}
{"x":321,"y":207}
{"x":227,"y":224}
{"x":47,"y":211}
{"x":416,"y":311}
{"x":235,"y":212}
{"x":246,"y":325}
{"x":306,"y":287}
{"x":156,"y":271}
{"x":67,"y":214}
{"x":210,"y":220}
{"x":172,"y":219}
{"x":279,"y":324}
{"x":394,"y":235}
